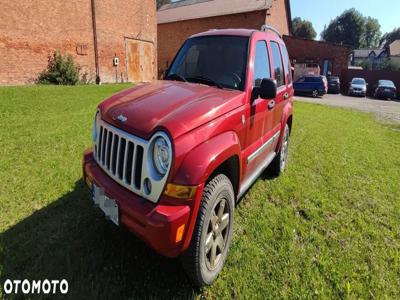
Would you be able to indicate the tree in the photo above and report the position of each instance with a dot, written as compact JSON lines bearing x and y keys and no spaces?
{"x":162,"y":2}
{"x":353,"y":29}
{"x":390,"y":37}
{"x":372,"y":34}
{"x":303,"y":29}
{"x":347,"y":29}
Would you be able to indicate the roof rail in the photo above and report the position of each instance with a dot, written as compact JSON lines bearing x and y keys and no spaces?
{"x":270,"y":28}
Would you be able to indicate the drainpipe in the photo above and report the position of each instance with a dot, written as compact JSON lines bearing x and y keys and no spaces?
{"x":96,"y":50}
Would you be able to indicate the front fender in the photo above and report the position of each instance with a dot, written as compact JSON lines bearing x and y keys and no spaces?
{"x":203,"y":160}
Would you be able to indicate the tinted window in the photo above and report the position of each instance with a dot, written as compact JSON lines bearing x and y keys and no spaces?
{"x":333,"y":79}
{"x":288,"y":70}
{"x":313,"y":79}
{"x":278,"y":65}
{"x":261,"y":63}
{"x":358,"y":81}
{"x":218,"y":59}
{"x":386,"y":83}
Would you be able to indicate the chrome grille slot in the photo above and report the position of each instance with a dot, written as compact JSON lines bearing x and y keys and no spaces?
{"x":123,"y":157}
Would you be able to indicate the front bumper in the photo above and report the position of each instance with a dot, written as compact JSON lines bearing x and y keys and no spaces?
{"x":156,"y":224}
{"x":357,"y":93}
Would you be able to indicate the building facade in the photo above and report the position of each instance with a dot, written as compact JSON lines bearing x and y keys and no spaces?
{"x":93,"y":32}
{"x":177,"y":21}
{"x":331,"y":58}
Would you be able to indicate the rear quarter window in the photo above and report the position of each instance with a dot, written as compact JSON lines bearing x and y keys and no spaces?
{"x":278,"y":64}
{"x":288,"y":66}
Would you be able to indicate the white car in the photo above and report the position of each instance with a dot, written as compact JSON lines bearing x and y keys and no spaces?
{"x":358,"y":87}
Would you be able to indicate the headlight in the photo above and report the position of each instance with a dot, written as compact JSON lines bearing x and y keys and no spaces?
{"x":161,"y":155}
{"x":96,"y":120}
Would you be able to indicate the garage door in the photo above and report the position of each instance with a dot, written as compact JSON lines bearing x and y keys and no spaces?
{"x":140,"y":60}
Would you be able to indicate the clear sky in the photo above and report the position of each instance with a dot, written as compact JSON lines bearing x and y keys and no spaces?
{"x":321,"y":12}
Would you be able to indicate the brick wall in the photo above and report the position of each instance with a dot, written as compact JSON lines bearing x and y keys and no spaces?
{"x":277,"y":16}
{"x":31,"y":30}
{"x":303,"y":50}
{"x":172,"y":35}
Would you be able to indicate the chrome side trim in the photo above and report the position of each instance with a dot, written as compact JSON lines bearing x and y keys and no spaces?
{"x":249,"y":181}
{"x":262,"y":148}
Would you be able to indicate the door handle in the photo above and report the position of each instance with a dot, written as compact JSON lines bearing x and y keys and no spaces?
{"x":271,"y":104}
{"x":286,"y":96}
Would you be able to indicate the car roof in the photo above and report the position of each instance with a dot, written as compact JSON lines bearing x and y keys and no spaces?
{"x":358,"y":78}
{"x":231,"y":31}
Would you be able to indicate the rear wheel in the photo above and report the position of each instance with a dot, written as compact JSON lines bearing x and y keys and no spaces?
{"x":205,"y":257}
{"x":278,"y":165}
{"x":315,"y":93}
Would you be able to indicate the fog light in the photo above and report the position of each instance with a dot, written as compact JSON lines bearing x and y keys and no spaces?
{"x":147,"y":186}
{"x":179,"y":233}
{"x":180,"y":191}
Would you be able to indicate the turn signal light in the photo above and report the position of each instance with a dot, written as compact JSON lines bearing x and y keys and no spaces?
{"x":180,"y":191}
{"x":179,"y":233}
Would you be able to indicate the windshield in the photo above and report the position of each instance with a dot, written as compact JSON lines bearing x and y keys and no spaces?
{"x":386,"y":83}
{"x":358,"y":81}
{"x":213,"y":60}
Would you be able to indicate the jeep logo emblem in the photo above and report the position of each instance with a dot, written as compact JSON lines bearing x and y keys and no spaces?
{"x":121,"y":118}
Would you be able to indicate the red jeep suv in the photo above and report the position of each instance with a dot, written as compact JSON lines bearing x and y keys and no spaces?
{"x":171,"y":158}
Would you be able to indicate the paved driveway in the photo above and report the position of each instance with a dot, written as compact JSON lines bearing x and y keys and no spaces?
{"x":384,"y":110}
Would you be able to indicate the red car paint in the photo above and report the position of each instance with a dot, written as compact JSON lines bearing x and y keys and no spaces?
{"x":207,"y":126}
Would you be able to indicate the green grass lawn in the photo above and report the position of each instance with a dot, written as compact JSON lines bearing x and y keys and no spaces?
{"x":328,"y":228}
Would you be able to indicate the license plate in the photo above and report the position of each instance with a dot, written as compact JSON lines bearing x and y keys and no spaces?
{"x":387,"y":90}
{"x":107,"y":205}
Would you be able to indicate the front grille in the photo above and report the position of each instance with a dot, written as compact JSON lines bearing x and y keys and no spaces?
{"x":120,"y":155}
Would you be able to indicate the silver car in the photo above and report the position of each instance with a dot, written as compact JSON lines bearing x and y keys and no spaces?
{"x":358,"y":87}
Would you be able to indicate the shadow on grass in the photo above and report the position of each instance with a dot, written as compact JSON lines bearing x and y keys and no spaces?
{"x":71,"y":239}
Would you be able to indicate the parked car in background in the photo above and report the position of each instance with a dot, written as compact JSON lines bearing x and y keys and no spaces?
{"x":358,"y":87}
{"x":333,"y":84}
{"x":311,"y":85}
{"x":385,"y":89}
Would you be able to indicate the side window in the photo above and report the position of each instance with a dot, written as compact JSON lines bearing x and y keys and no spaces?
{"x":261,"y":63}
{"x":278,"y":65}
{"x":288,"y":71}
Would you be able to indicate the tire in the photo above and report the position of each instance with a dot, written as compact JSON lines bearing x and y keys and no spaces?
{"x":315,"y":93}
{"x":278,"y":165}
{"x":214,"y":226}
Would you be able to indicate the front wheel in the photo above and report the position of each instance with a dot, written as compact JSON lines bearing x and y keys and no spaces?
{"x":315,"y":93}
{"x":278,"y":165}
{"x":205,"y":257}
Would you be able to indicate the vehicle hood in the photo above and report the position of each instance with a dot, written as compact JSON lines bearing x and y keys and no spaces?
{"x":176,"y":107}
{"x":359,"y":86}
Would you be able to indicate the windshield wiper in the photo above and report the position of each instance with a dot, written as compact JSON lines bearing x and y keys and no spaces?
{"x":175,"y":76}
{"x":208,"y":80}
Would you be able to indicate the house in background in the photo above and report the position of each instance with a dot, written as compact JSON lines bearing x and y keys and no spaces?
{"x":93,"y":32}
{"x":181,"y":19}
{"x":372,"y":56}
{"x":394,"y":51}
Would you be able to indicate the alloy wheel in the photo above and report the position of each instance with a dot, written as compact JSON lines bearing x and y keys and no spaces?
{"x":217,"y":233}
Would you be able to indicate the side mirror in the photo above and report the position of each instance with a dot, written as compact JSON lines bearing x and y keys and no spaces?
{"x":266,"y":90}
